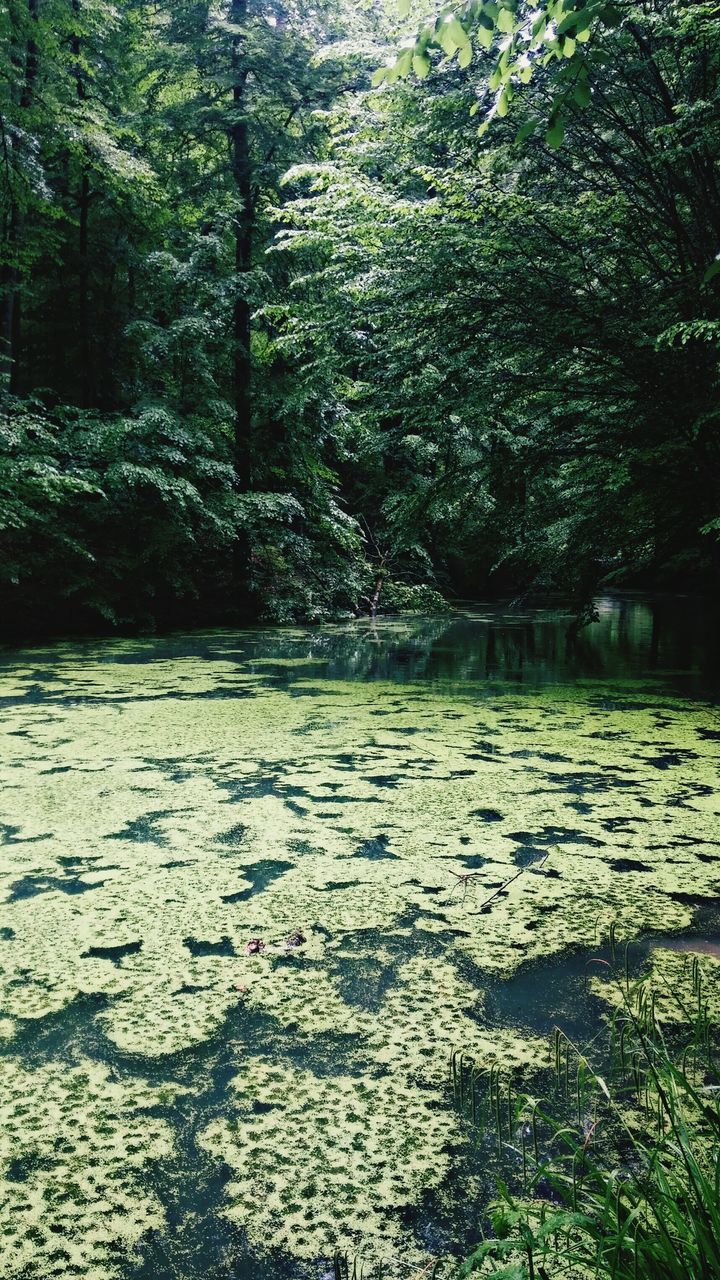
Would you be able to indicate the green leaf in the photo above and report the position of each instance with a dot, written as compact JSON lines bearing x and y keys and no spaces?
{"x":555,"y":134}
{"x":404,"y":63}
{"x":526,"y":74}
{"x":502,"y":104}
{"x":421,"y":65}
{"x":611,"y":16}
{"x":575,"y":21}
{"x":492,"y":11}
{"x":378,"y":76}
{"x":526,"y":130}
{"x":582,"y":93}
{"x":599,"y":1080}
{"x":457,"y":32}
{"x":506,"y":21}
{"x":712,"y":271}
{"x":485,"y":35}
{"x":465,"y":55}
{"x":584,"y":36}
{"x":569,"y":47}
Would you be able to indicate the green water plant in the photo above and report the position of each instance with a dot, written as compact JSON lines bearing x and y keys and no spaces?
{"x":614,"y":1174}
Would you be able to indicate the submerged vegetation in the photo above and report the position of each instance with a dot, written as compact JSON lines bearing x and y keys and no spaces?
{"x":290,"y":328}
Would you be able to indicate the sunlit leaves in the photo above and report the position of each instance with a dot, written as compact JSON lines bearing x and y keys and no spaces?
{"x":465,"y":55}
{"x":512,"y":37}
{"x":456,"y":32}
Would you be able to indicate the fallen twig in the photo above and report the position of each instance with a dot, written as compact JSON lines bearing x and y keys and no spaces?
{"x":464,"y":878}
{"x":423,"y":1272}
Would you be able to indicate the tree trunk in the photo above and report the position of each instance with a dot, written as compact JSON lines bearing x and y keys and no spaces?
{"x":83,"y":293}
{"x":26,"y":65}
{"x":375,"y":597}
{"x":83,"y":300}
{"x":9,"y":309}
{"x":242,"y":174}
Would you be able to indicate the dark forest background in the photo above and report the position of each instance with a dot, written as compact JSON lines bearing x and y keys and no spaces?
{"x":281,"y":340}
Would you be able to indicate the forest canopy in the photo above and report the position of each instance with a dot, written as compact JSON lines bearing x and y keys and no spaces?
{"x":309,"y":309}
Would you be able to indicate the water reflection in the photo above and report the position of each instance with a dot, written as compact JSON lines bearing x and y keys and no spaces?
{"x":672,"y":639}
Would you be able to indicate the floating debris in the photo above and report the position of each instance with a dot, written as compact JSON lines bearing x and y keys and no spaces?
{"x":254,"y":947}
{"x":295,"y":939}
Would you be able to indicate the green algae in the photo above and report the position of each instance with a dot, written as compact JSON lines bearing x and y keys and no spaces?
{"x":143,"y":796}
{"x":74,"y":1145}
{"x":681,"y":980}
{"x":373,"y":1150}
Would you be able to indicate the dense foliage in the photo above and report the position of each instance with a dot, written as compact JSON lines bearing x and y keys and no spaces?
{"x":291,"y":327}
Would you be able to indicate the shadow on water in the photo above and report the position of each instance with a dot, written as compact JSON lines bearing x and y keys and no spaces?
{"x":197,"y":1241}
{"x":539,"y":997}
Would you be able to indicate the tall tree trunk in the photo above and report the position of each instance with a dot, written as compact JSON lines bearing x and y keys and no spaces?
{"x":9,"y":306}
{"x":84,"y":265}
{"x":242,"y":175}
{"x":83,"y":293}
{"x":26,"y":64}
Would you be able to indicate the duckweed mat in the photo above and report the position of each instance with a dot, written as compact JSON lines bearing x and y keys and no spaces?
{"x":354,"y":799}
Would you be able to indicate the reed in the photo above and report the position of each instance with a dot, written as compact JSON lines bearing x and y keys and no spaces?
{"x":621,"y":1177}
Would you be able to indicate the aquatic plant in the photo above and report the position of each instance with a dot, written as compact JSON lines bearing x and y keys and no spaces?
{"x":625,"y":1179}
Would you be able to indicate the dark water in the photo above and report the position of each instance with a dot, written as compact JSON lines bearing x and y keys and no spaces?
{"x":674,"y":640}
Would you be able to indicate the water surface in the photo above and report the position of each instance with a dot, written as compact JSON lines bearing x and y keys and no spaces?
{"x":173,"y":1107}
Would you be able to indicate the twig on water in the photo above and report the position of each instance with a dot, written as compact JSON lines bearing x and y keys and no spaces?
{"x":464,"y":877}
{"x":430,"y":1266}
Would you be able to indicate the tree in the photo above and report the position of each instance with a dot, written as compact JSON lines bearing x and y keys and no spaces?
{"x":385,"y":353}
{"x":565,"y":39}
{"x":508,"y":324}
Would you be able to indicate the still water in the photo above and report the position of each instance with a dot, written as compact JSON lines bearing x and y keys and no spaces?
{"x":252,"y":897}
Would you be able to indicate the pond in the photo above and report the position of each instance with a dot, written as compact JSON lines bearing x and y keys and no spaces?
{"x":174,"y":1107}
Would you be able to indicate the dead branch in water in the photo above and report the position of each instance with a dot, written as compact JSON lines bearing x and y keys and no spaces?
{"x":464,"y":877}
